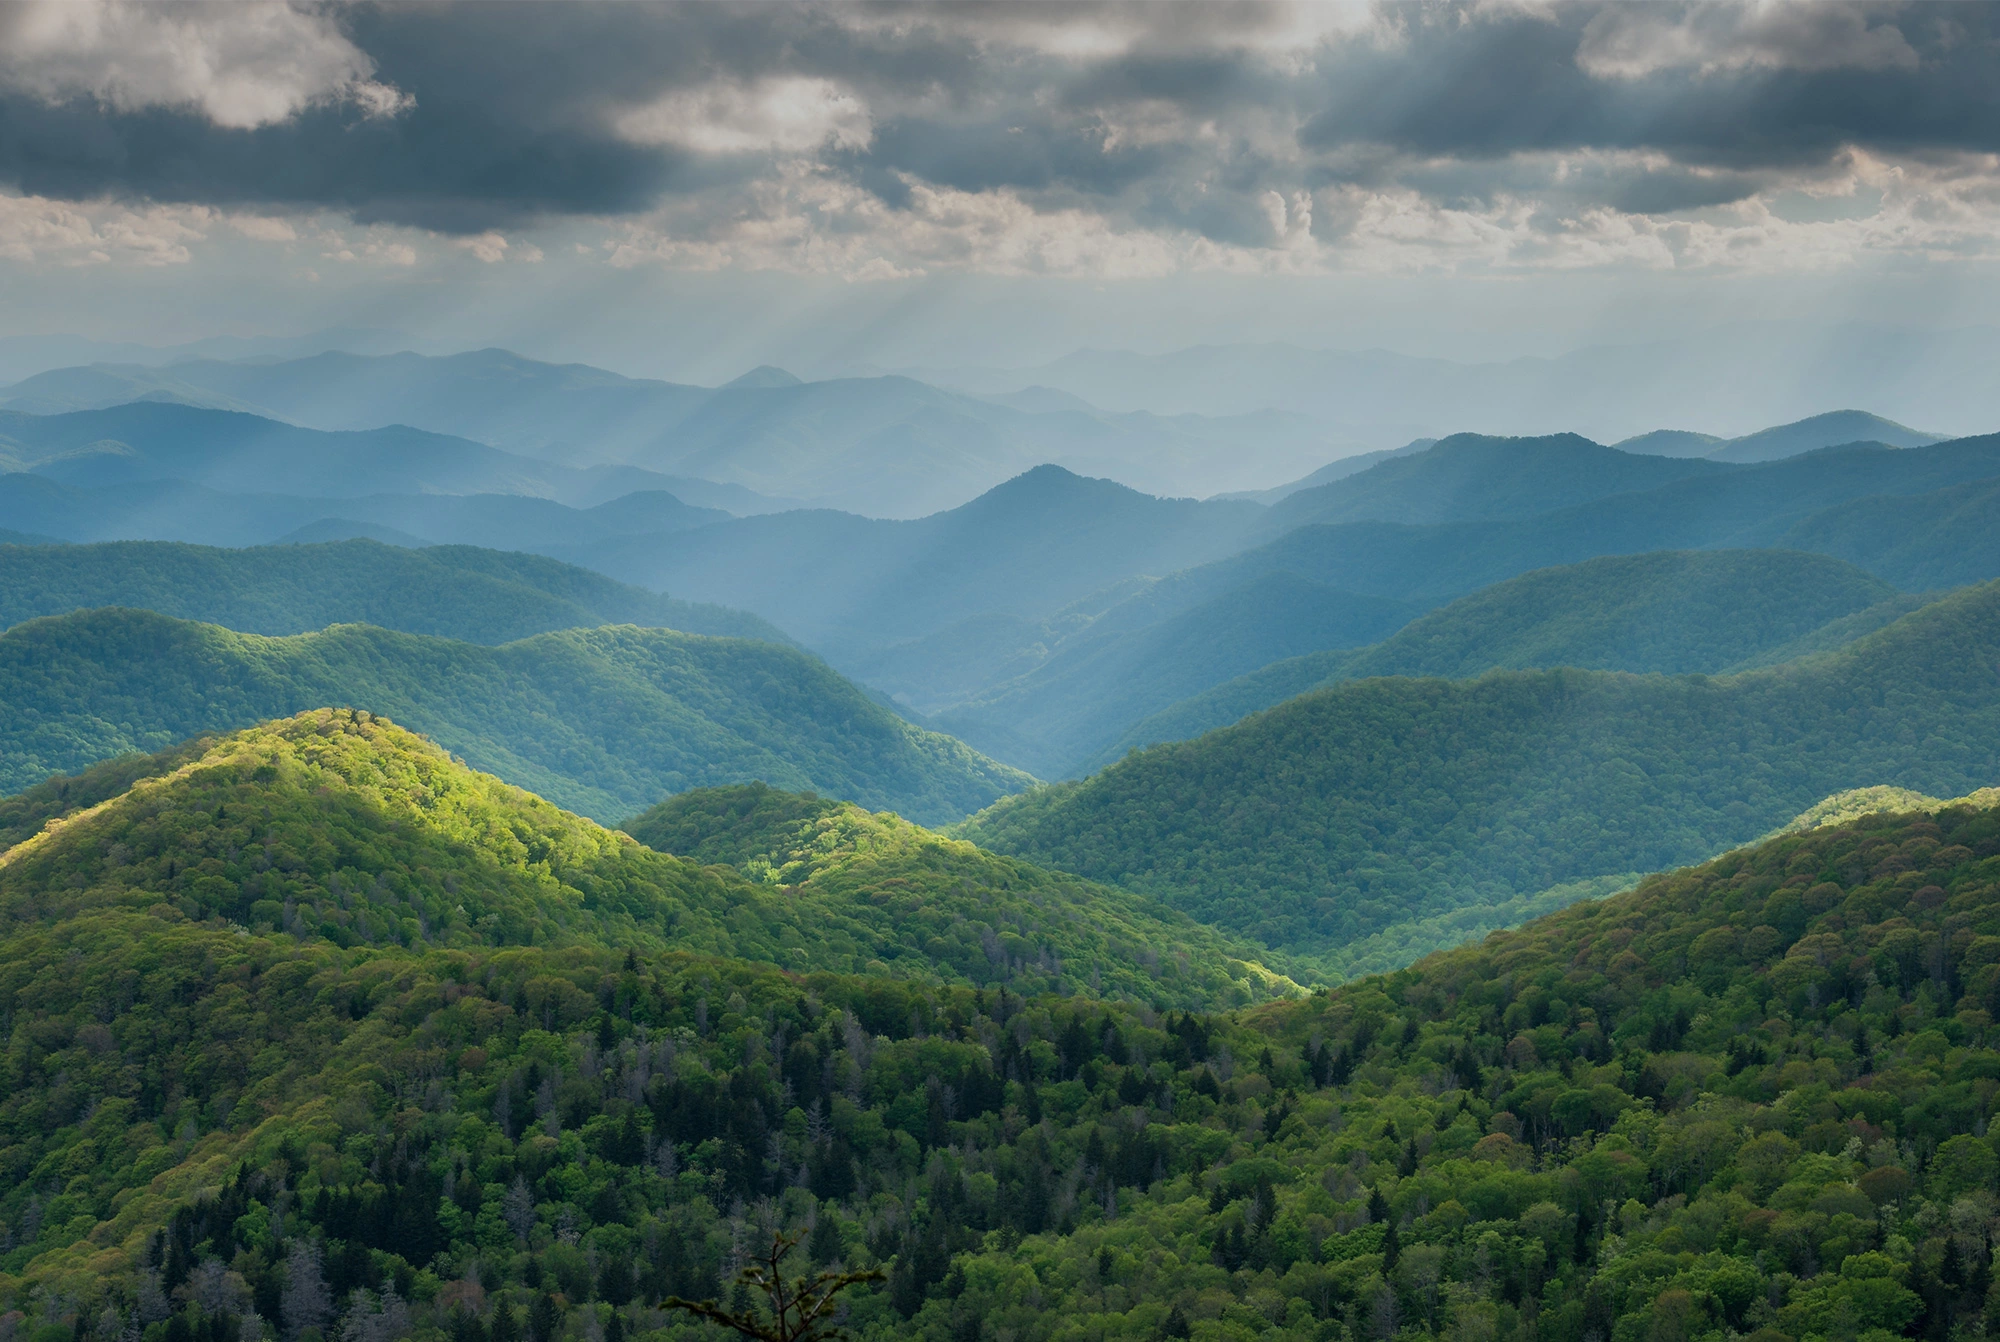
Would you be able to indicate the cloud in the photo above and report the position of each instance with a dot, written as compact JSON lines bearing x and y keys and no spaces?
{"x":263,"y":228}
{"x":488,"y":247}
{"x":36,"y":230}
{"x":787,"y":115}
{"x":1131,"y":138}
{"x":1633,"y":41}
{"x":240,"y":66}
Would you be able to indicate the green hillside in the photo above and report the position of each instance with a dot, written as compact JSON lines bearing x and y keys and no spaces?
{"x":1097,"y":684}
{"x":1941,"y":539}
{"x":480,"y":596}
{"x":1672,"y":612}
{"x":1746,"y":1099}
{"x":1376,"y":802}
{"x":603,"y":721}
{"x":339,"y":824}
{"x":1033,"y":929}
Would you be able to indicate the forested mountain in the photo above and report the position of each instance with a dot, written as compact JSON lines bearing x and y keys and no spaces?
{"x":358,"y":821}
{"x":1882,"y":508}
{"x":1338,"y":469}
{"x":1942,"y":539}
{"x":1878,"y":506}
{"x":1832,"y":429}
{"x":1671,"y":443}
{"x":1671,"y":612}
{"x":845,"y":584}
{"x":561,"y":412}
{"x":479,"y":596}
{"x":603,"y":721}
{"x":1095,"y":686}
{"x":1470,"y":475}
{"x":176,"y":511}
{"x":148,"y":441}
{"x":1775,"y":504}
{"x":1033,"y":929}
{"x":1374,"y":803}
{"x":1747,"y":1096}
{"x":882,"y":446}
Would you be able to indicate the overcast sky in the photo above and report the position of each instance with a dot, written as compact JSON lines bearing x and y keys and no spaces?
{"x":689,"y":190}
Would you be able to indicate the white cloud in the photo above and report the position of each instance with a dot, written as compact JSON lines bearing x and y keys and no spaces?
{"x":783,"y":115}
{"x":36,"y":230}
{"x":263,"y":228}
{"x":241,"y":65}
{"x":489,"y":247}
{"x":1630,"y":41}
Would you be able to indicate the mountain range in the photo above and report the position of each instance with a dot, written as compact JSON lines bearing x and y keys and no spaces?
{"x":886,"y":446}
{"x":566,"y":1053}
{"x":459,"y":592}
{"x":1047,"y":618}
{"x":1749,"y":374}
{"x":1345,"y":811}
{"x":1665,"y":612}
{"x":604,"y":721}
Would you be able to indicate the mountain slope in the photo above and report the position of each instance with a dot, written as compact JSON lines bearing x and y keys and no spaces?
{"x":1671,"y":443}
{"x":1373,"y":802}
{"x":1339,"y":469}
{"x":844,"y":583}
{"x":228,"y":450}
{"x":1821,"y":431}
{"x":1742,"y":507}
{"x":883,"y":446}
{"x":177,"y":511}
{"x":1673,"y":612}
{"x":603,"y":721}
{"x":1470,"y":476}
{"x":1748,"y":1097}
{"x":479,"y":596}
{"x":1942,"y":539}
{"x":1033,"y":926}
{"x":342,"y":825}
{"x":1094,"y":687}
{"x":1670,"y":612}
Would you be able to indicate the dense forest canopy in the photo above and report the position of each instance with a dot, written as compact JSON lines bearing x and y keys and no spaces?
{"x":604,"y":721}
{"x":338,"y":824}
{"x":1672,"y":612}
{"x":1372,"y":803}
{"x":450,"y":591}
{"x":1750,"y":1097}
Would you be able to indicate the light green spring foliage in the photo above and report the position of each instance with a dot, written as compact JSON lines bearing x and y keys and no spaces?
{"x":1745,"y":1099}
{"x":341,"y":825}
{"x":989,"y":919}
{"x":603,"y":721}
{"x":1854,"y":803}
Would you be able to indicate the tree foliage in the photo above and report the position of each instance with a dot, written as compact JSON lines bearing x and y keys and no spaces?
{"x":1360,"y":807}
{"x":448,"y":591}
{"x":603,"y":721}
{"x":1749,"y":1098}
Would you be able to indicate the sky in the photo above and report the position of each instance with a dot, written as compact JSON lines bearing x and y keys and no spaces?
{"x":691,"y":190}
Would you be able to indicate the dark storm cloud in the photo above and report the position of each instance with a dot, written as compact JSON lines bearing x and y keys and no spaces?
{"x":1515,"y":83}
{"x":1184,"y":123}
